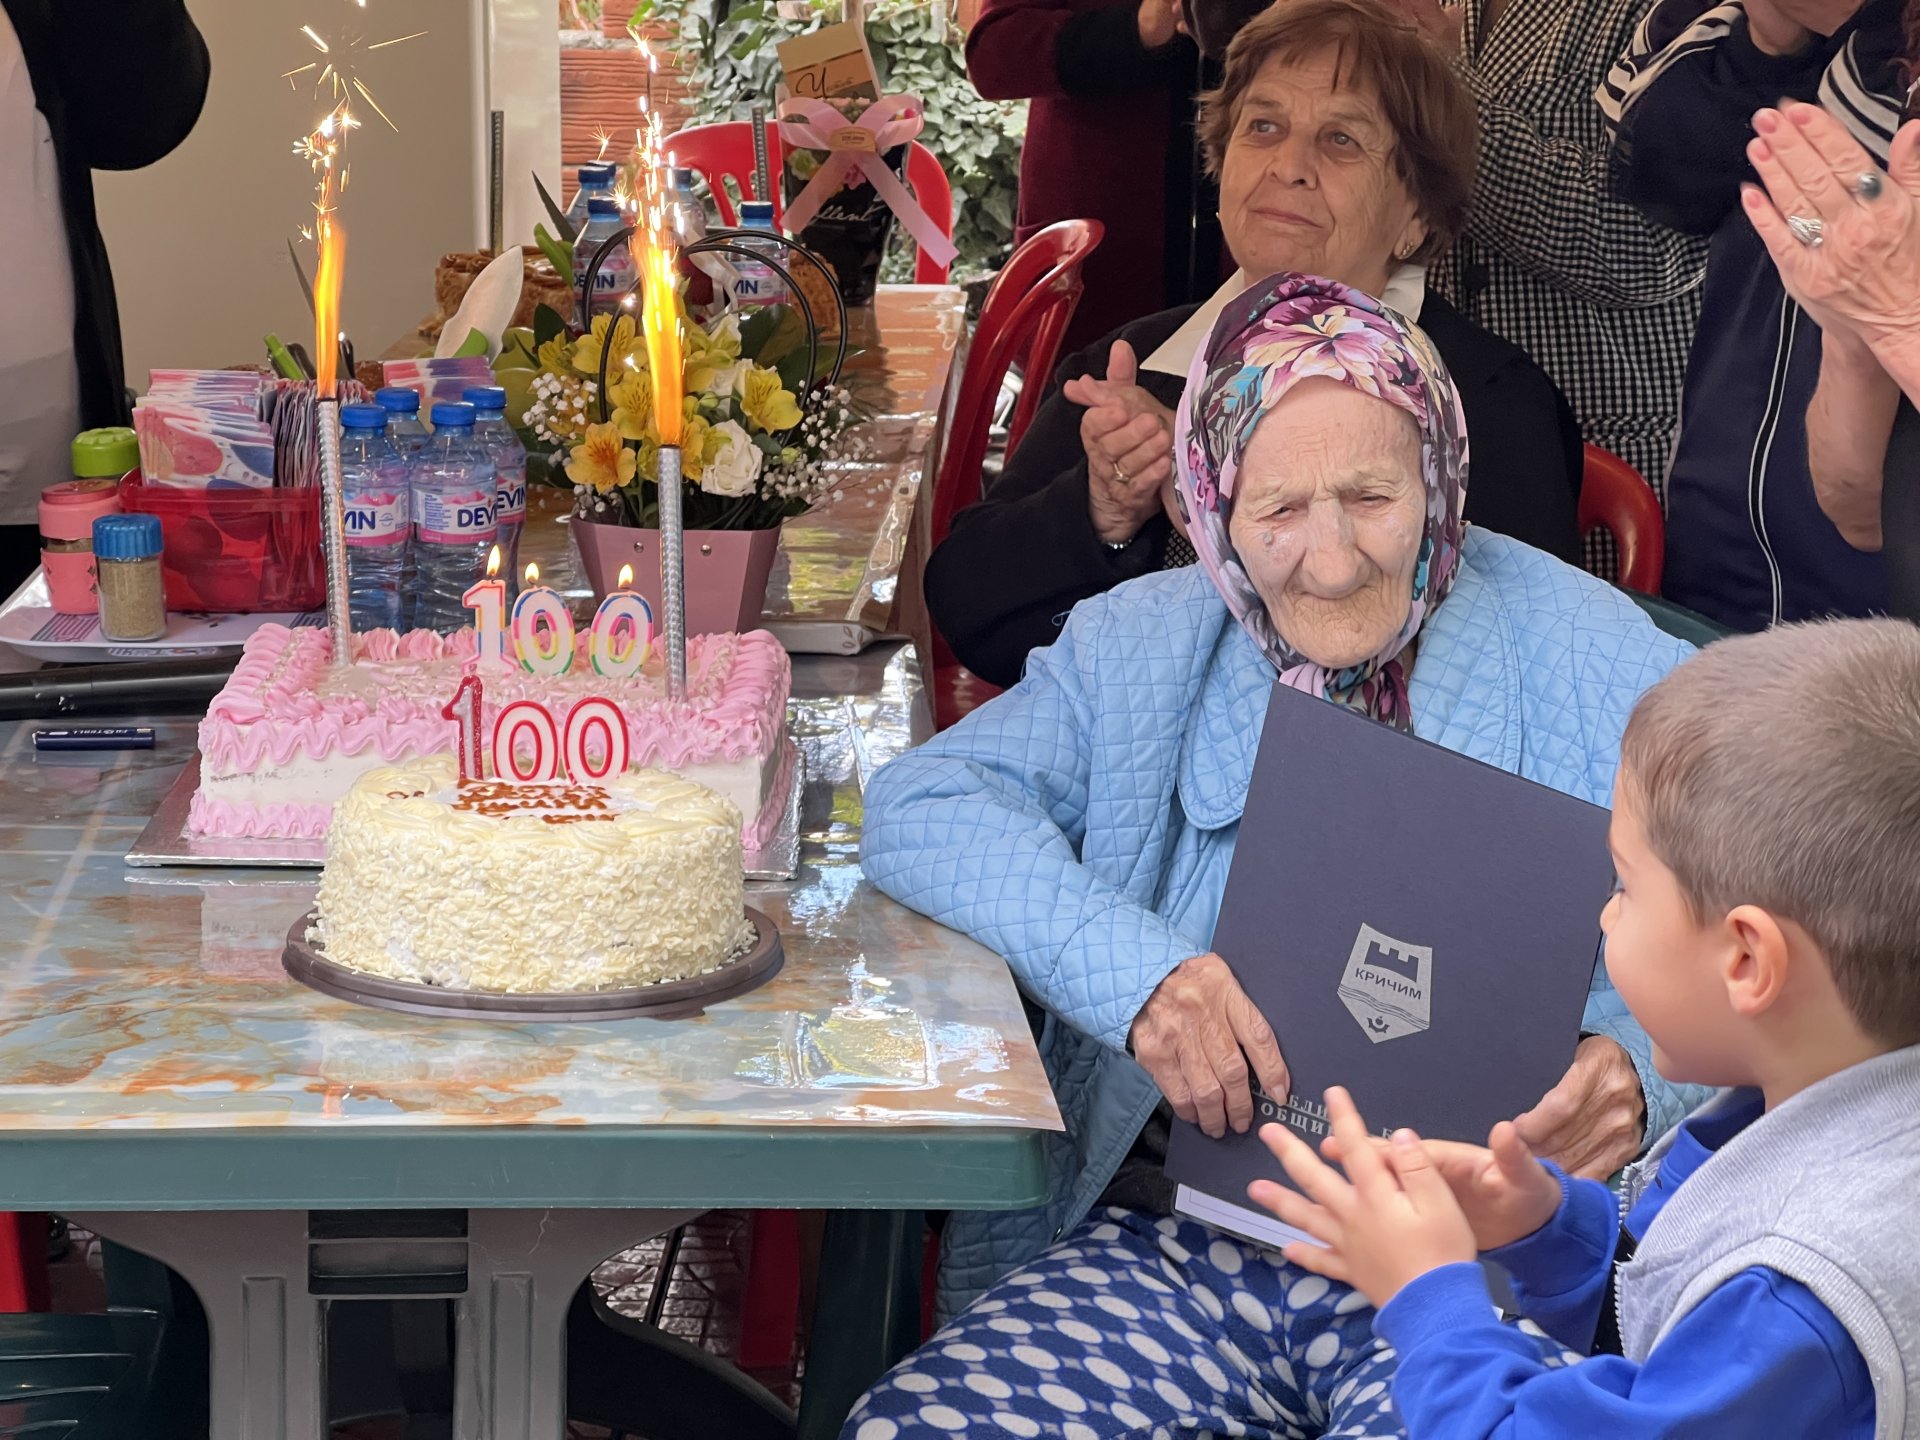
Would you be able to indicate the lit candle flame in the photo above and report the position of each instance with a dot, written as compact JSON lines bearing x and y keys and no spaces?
{"x":493,"y":563}
{"x":626,"y":577}
{"x":533,"y":574}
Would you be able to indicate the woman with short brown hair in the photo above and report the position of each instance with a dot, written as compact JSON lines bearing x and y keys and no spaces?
{"x":1344,"y":147}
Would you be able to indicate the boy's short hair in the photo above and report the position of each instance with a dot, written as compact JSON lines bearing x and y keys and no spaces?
{"x":1783,"y":770}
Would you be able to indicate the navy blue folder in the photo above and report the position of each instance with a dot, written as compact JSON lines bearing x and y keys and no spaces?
{"x":1415,"y":925}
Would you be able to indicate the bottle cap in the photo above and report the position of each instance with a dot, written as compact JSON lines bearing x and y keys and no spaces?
{"x":451,"y":413}
{"x":601,"y":207}
{"x":486,"y":397}
{"x":363,"y":417}
{"x":399,"y":399}
{"x":756,"y":215}
{"x":596,"y":173}
{"x":126,"y":537}
{"x":110,"y":452}
{"x":680,"y":177}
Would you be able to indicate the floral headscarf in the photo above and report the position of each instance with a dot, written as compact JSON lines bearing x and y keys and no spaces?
{"x":1286,"y":329}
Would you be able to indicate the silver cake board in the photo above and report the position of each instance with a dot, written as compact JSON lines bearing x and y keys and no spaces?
{"x":669,"y":1000}
{"x":167,"y":841}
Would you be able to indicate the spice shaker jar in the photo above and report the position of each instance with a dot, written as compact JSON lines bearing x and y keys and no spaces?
{"x":69,"y":508}
{"x":126,"y":552}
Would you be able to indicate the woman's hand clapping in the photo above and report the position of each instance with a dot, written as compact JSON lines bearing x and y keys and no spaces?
{"x":1862,"y":279}
{"x":1128,"y":437}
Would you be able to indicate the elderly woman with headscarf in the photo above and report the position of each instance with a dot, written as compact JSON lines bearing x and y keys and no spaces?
{"x":1083,"y":824}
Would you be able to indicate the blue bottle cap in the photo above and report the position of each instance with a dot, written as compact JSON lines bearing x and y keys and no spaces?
{"x":603,"y":207}
{"x":486,"y":397}
{"x":451,"y":413}
{"x":363,"y":417}
{"x":596,"y":174}
{"x":126,"y":537}
{"x":679,"y":177}
{"x":399,"y":398}
{"x":756,"y":215}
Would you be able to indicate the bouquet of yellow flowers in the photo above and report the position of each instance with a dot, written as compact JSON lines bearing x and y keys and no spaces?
{"x":762,"y":438}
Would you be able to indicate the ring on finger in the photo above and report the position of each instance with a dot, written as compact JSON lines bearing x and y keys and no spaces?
{"x":1867,"y":185}
{"x":1809,"y":230}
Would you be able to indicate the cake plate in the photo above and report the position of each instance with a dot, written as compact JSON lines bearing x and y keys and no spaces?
{"x":166,"y":840}
{"x":669,"y":1000}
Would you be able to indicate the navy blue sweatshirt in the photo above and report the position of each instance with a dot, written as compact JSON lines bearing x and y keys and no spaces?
{"x":1747,"y":542}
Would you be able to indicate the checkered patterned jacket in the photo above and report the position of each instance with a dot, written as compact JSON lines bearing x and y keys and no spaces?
{"x":1043,"y":824}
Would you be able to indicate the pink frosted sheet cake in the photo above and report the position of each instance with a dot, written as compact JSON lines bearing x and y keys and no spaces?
{"x":289,"y":733}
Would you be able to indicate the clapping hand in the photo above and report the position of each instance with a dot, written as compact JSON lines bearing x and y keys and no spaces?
{"x":1391,"y":1220}
{"x":1128,"y":437}
{"x":1861,"y":280}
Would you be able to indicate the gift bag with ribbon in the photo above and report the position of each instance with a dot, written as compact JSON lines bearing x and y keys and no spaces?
{"x":843,"y":188}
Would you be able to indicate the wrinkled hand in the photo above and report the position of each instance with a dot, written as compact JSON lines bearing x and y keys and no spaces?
{"x":1863,"y":279}
{"x":1128,"y":437}
{"x":1197,"y":1035}
{"x":1389,"y":1222}
{"x":1441,"y":24}
{"x":1593,"y":1121}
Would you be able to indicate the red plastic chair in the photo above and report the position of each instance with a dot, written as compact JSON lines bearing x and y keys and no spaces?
{"x":1023,"y":318}
{"x":1616,"y":498}
{"x":725,"y":151}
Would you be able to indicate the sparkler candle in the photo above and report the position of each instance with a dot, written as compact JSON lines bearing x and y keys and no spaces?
{"x":326,"y":352}
{"x":660,"y":313}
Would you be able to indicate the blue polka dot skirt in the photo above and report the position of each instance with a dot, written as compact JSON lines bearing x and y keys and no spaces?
{"x":1142,"y":1328}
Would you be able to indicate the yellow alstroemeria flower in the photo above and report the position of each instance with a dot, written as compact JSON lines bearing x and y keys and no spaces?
{"x":556,"y":356}
{"x":708,"y":353}
{"x":768,"y":404}
{"x":629,"y":348}
{"x":632,"y":400}
{"x":602,"y":460}
{"x":697,"y":440}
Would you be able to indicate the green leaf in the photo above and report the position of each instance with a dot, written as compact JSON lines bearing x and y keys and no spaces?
{"x":560,"y":226}
{"x":556,"y":253}
{"x":757,"y":332}
{"x":547,"y":325}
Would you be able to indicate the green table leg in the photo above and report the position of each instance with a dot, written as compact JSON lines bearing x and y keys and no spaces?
{"x":867,"y":1315}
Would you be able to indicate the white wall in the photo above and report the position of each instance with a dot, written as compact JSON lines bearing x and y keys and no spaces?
{"x":199,"y":240}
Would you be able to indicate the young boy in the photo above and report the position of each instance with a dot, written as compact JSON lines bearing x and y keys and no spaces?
{"x":1765,"y":931}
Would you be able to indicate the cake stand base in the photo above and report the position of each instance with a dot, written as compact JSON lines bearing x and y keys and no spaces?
{"x":670,"y":1000}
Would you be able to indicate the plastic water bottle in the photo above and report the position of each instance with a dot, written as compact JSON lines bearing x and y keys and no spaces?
{"x":595,"y":179}
{"x":617,"y":272}
{"x":760,"y":284}
{"x":454,"y":523}
{"x":404,"y":430}
{"x":509,"y":458}
{"x":374,"y":478}
{"x":687,"y":218}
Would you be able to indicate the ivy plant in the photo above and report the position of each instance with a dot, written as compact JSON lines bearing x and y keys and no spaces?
{"x":916,"y":45}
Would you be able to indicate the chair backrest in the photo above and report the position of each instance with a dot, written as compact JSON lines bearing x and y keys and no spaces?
{"x":1616,"y":498}
{"x":1026,"y":313}
{"x":725,"y":151}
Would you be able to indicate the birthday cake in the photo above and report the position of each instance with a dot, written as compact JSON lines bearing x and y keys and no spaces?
{"x":539,"y":887}
{"x":291,"y":732}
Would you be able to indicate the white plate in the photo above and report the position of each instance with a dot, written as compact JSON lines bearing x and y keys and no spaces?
{"x":29,"y":623}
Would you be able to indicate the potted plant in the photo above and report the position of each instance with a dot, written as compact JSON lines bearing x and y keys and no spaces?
{"x":762,"y":439}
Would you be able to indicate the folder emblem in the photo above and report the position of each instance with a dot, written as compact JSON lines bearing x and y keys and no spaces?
{"x":1387,"y":987}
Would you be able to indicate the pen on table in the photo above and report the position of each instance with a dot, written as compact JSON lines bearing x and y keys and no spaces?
{"x":95,"y":737}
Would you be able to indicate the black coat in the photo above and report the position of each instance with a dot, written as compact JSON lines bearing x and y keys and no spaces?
{"x":1002,"y":582}
{"x":121,"y":83}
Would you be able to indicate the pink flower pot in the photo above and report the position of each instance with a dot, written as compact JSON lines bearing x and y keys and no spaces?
{"x":727,"y":570}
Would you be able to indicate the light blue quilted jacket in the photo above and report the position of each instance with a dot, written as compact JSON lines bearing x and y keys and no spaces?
{"x":1082,"y":824}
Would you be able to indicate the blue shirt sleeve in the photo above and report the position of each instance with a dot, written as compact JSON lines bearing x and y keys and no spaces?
{"x":1560,"y":1272}
{"x":1759,"y":1356}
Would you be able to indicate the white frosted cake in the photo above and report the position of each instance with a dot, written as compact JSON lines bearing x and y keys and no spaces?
{"x":290,"y":732}
{"x":547,"y":887}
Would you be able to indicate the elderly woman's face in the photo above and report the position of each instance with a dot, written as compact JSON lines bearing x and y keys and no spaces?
{"x":1308,"y":182}
{"x":1328,"y":516}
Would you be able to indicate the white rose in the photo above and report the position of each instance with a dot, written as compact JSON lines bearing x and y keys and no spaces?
{"x":732,"y":380}
{"x":735,"y":464}
{"x":726,"y":330}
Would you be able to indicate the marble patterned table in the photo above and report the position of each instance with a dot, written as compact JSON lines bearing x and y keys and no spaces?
{"x":164,"y":1081}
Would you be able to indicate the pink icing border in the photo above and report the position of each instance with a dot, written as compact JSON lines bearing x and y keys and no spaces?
{"x":230,"y":818}
{"x":268,"y":711}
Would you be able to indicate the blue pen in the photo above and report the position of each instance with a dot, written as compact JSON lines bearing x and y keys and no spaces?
{"x":95,"y":737}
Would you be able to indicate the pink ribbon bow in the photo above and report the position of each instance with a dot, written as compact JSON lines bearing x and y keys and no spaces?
{"x":858,"y":145}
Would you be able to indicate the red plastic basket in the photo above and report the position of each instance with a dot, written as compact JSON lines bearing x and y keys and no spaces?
{"x":235,"y":551}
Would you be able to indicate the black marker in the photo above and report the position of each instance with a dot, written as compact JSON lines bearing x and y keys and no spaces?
{"x":95,"y":737}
